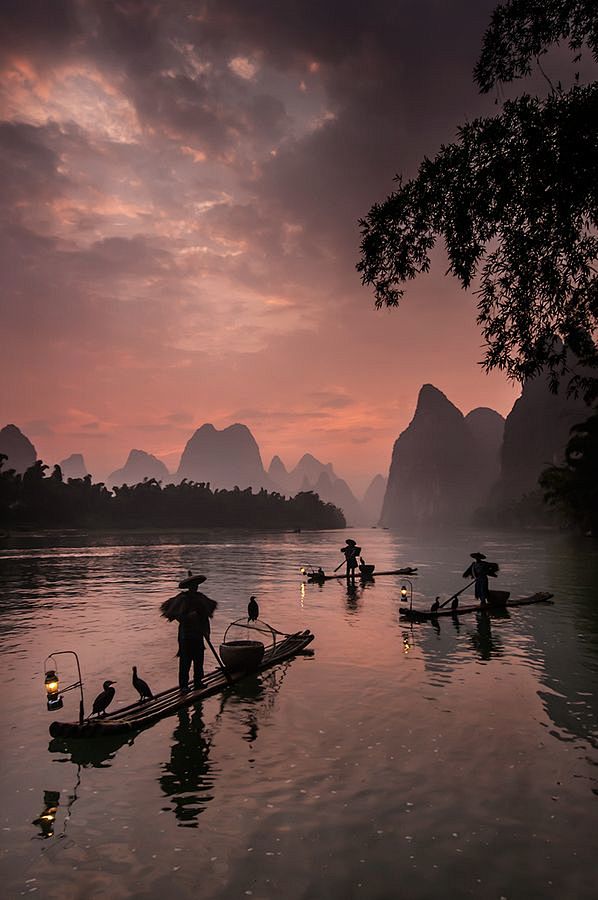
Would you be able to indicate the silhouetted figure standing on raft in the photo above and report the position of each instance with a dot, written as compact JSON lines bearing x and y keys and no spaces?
{"x":193,"y":611}
{"x":351,"y":553}
{"x":103,"y":700}
{"x":479,"y":570}
{"x":141,"y":686}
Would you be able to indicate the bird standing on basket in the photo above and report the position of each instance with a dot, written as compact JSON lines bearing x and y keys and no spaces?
{"x":141,"y":686}
{"x":253,"y":610}
{"x":103,"y":700}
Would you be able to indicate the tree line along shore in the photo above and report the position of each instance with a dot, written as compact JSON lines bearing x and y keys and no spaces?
{"x":38,"y":500}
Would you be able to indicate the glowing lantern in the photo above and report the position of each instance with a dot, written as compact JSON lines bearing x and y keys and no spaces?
{"x":52,"y":684}
{"x":405,"y":593}
{"x":52,"y":690}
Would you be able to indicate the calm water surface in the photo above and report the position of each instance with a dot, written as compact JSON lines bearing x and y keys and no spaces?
{"x":395,"y":762}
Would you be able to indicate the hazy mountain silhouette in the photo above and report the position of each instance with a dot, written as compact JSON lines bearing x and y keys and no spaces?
{"x":225,"y":459}
{"x":278,"y":474}
{"x":373,"y":499}
{"x":536,"y":432}
{"x":18,"y":448}
{"x":337,"y":491}
{"x":303,"y":477}
{"x":438,"y":473}
{"x":73,"y":466}
{"x":487,"y":428}
{"x":139,"y":465}
{"x":312,"y":475}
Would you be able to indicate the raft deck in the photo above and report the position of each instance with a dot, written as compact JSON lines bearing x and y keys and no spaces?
{"x":421,"y":615}
{"x":141,"y":714}
{"x":365,"y":576}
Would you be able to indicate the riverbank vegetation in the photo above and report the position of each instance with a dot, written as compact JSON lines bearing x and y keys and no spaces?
{"x":38,"y":500}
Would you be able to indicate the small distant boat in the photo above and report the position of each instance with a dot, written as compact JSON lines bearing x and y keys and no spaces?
{"x":366,"y":573}
{"x":423,"y":615}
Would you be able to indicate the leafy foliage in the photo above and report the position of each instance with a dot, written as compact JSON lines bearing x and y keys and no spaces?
{"x":35,"y":500}
{"x":572,"y":488}
{"x":520,"y":32}
{"x":516,"y":200}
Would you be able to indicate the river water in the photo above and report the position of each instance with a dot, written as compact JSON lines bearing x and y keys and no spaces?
{"x":396,"y":761}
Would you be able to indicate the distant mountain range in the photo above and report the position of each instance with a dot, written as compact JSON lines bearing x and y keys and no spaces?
{"x":18,"y":449}
{"x":224,"y":459}
{"x":139,"y":465}
{"x":444,"y":465}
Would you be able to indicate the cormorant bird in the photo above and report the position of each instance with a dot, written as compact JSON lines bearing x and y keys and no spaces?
{"x":103,"y":700}
{"x":435,"y":605}
{"x":253,"y":610}
{"x":141,"y":686}
{"x":455,"y":603}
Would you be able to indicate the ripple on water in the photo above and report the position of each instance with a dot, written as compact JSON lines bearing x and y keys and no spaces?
{"x":396,"y":755}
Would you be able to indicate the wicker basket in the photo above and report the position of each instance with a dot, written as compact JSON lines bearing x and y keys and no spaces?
{"x":242,"y":655}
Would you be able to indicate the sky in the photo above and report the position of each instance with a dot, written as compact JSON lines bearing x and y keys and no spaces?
{"x":181,"y":184}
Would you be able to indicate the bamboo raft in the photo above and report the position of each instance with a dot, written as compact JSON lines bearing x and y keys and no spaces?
{"x":141,"y":715}
{"x":316,"y":578}
{"x":421,"y":615}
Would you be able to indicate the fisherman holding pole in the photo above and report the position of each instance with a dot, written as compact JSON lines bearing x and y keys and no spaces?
{"x":479,"y":571}
{"x":193,"y":611}
{"x":351,"y":553}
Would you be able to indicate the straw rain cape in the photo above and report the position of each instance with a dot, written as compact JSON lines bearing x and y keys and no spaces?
{"x":185,"y":603}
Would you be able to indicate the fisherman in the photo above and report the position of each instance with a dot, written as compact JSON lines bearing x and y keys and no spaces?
{"x":193,"y":611}
{"x":479,"y":570}
{"x":351,"y":553}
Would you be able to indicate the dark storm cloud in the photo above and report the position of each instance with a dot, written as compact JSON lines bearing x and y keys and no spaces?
{"x":30,"y":167}
{"x":46,"y":29}
{"x":397,"y":77}
{"x":394,"y":78}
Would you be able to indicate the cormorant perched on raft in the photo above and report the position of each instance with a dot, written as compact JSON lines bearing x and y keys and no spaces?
{"x":455,"y":603}
{"x":103,"y":700}
{"x":253,"y":610}
{"x":141,"y":686}
{"x":435,"y":605}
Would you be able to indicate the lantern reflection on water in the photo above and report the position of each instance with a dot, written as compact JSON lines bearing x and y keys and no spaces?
{"x":46,"y":819}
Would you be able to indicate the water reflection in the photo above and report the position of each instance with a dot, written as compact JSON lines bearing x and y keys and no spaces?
{"x":47,"y":817}
{"x":483,"y":640}
{"x":188,"y":777}
{"x":94,"y":753}
{"x":46,"y":821}
{"x":353,"y":596}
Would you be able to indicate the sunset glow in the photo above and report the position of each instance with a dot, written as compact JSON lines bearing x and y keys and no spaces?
{"x":180,"y":209}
